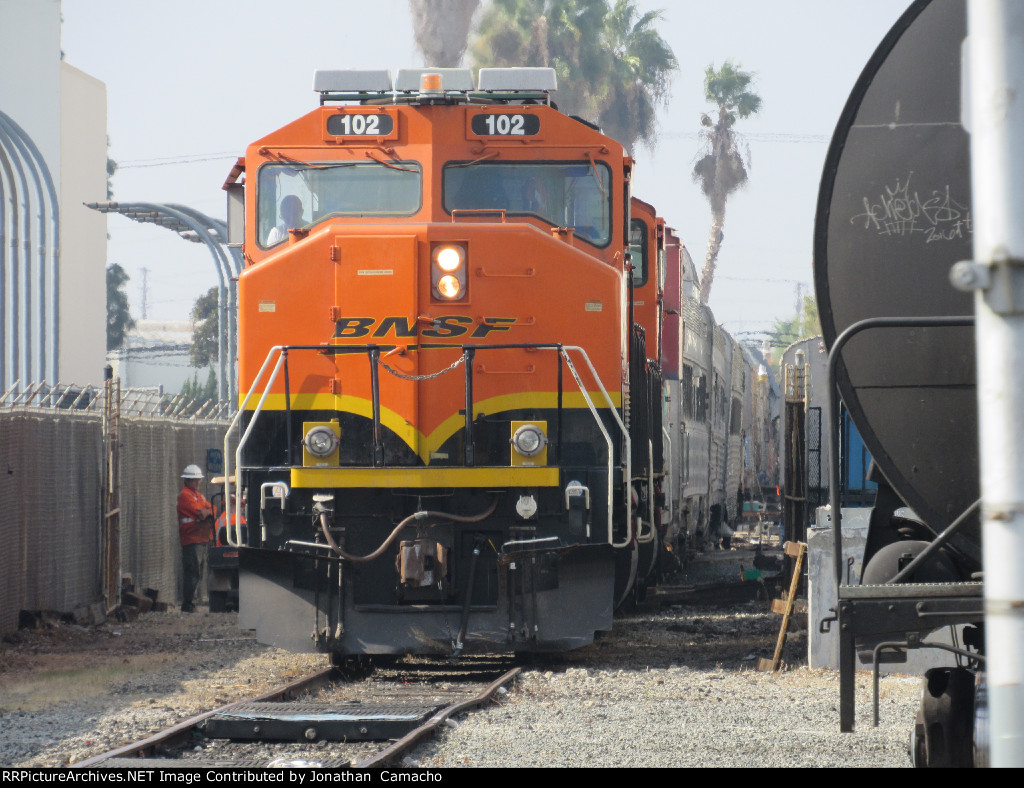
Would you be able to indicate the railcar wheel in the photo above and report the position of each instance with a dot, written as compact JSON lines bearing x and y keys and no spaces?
{"x":943,"y":734}
{"x":887,"y":562}
{"x":352,"y":666}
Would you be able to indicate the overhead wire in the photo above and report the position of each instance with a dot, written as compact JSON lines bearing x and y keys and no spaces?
{"x":164,"y":161}
{"x":756,"y":137}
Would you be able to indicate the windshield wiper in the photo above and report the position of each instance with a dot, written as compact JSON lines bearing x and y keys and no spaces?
{"x":393,"y":166}
{"x":477,"y":160}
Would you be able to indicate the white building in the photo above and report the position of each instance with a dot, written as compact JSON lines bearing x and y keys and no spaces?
{"x":54,"y":307}
{"x":155,"y":354}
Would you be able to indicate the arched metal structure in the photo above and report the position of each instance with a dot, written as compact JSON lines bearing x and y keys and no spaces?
{"x":193,"y":225}
{"x":29,"y":260}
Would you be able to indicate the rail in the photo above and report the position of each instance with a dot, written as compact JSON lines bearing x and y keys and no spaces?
{"x":154,"y":744}
{"x":280,"y":353}
{"x":408,"y":741}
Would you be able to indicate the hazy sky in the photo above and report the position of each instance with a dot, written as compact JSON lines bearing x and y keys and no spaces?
{"x":191,"y":82}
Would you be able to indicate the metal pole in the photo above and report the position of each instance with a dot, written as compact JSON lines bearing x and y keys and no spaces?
{"x":231,"y":259}
{"x":223,"y":269}
{"x":3,"y":277}
{"x":14,"y":341}
{"x":40,"y":170}
{"x":25,"y":295}
{"x":211,"y":232}
{"x":996,"y":94}
{"x":9,"y":138}
{"x":223,"y":273}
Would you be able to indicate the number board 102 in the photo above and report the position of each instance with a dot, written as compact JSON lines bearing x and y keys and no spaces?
{"x":360,"y":125}
{"x":505,"y":124}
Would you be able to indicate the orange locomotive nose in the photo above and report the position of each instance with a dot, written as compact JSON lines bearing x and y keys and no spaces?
{"x":455,"y":388}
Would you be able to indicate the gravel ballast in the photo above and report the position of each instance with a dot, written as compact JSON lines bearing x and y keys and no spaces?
{"x":673,"y":685}
{"x":675,"y":715}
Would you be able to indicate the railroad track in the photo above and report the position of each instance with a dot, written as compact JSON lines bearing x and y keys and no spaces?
{"x":323,"y":720}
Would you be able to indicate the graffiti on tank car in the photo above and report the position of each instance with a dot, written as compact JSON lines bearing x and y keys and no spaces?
{"x":443,"y":327}
{"x":898,"y":210}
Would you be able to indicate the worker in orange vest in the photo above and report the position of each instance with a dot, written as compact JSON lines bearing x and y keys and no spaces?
{"x":195,"y":531}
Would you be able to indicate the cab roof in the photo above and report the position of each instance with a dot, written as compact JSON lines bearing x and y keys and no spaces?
{"x":448,"y":85}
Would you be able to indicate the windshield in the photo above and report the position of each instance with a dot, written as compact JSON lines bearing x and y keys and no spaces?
{"x":565,"y":194}
{"x":299,"y":195}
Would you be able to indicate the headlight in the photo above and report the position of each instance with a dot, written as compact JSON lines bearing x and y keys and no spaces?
{"x":321,"y":441}
{"x":449,"y":286}
{"x":529,"y":440}
{"x":448,"y":271}
{"x":449,"y":258}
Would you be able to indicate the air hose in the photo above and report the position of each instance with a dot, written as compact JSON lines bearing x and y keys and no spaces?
{"x":422,"y":515}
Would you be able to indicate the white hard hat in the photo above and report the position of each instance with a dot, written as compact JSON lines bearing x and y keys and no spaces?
{"x":192,"y":472}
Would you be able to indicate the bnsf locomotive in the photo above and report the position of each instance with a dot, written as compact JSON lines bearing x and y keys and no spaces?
{"x":450,"y":332}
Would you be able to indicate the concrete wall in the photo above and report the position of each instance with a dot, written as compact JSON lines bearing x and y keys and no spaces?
{"x":63,"y":112}
{"x":83,"y":178}
{"x":30,"y":72}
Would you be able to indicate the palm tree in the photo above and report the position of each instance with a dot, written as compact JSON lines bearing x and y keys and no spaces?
{"x":639,"y":72}
{"x":612,"y":65}
{"x":441,"y":29}
{"x":543,"y":33}
{"x":721,"y":171}
{"x":804,"y":324}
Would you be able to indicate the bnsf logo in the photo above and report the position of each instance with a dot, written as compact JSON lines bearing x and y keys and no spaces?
{"x":401,"y":327}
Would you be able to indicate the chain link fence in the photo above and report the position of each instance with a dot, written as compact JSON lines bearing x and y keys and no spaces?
{"x":50,"y":511}
{"x":52,"y":495}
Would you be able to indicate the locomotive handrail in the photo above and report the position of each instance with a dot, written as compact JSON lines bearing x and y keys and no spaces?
{"x":470,"y":212}
{"x":671,"y":469}
{"x":640,"y":537}
{"x":563,"y":351}
{"x":627,"y":449}
{"x":237,"y":542}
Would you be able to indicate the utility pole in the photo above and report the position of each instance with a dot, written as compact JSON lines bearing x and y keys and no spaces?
{"x":995,"y":79}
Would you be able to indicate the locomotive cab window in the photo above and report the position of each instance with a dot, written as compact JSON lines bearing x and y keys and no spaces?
{"x":564,"y":194}
{"x":638,"y":251}
{"x":295,"y":196}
